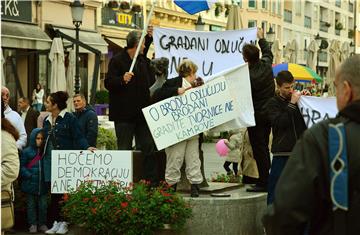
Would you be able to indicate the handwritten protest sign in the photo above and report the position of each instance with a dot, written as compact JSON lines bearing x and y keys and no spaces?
{"x":181,"y":117}
{"x":315,"y":109}
{"x":213,"y":52}
{"x":71,"y":167}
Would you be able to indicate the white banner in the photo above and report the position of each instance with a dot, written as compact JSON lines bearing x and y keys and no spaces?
{"x":71,"y":167}
{"x":180,"y":117}
{"x":238,"y":79}
{"x":315,"y":109}
{"x":212,"y":52}
{"x":223,"y":102}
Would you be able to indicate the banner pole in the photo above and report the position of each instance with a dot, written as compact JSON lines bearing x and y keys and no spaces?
{"x":142,"y":37}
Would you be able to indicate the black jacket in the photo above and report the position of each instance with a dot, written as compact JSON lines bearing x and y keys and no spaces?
{"x":168,"y":89}
{"x":88,"y":122}
{"x":127,"y":100}
{"x":287,"y":124}
{"x":302,"y":195}
{"x":262,"y":78}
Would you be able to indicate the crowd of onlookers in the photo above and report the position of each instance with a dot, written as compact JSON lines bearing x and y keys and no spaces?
{"x":37,"y":132}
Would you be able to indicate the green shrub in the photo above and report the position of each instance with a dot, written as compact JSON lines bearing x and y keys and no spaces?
{"x":106,"y":139}
{"x":102,"y":97}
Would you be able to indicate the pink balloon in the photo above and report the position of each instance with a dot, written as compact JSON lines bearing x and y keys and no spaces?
{"x":221,"y":148}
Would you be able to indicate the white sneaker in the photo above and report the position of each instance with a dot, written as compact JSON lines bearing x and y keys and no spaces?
{"x":54,"y":228}
{"x":63,"y":228}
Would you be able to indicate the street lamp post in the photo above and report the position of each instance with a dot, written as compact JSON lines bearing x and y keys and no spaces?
{"x":322,"y":44}
{"x":199,"y":24}
{"x":270,"y":36}
{"x":77,"y":11}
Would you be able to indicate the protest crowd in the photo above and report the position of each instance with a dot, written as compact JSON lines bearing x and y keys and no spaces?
{"x":312,"y":187}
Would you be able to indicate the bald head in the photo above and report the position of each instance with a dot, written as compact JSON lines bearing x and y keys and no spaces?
{"x":5,"y":95}
{"x":349,"y":71}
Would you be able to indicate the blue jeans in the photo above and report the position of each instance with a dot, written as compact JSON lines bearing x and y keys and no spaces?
{"x":277,"y":166}
{"x":125,"y":131}
{"x":36,"y":205}
{"x":37,"y":107}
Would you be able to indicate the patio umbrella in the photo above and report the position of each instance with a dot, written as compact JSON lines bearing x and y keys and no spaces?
{"x":56,"y":56}
{"x":310,"y":60}
{"x":300,"y":72}
{"x":287,"y":52}
{"x":293,"y":51}
{"x":234,"y":21}
{"x":276,"y":50}
{"x":333,"y":64}
{"x":3,"y":83}
{"x":345,"y":51}
{"x":70,"y":73}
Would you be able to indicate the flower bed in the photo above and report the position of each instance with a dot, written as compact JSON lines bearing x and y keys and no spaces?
{"x":138,"y":209}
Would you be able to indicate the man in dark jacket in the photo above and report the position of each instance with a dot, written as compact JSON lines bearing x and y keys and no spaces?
{"x":287,"y":126}
{"x":262,"y":89}
{"x":128,"y":94}
{"x":303,"y":198}
{"x":87,"y":118}
{"x":28,"y":115}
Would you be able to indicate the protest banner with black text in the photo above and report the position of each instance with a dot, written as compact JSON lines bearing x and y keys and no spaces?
{"x":71,"y":167}
{"x":213,"y":52}
{"x":315,"y":109}
{"x":180,"y":117}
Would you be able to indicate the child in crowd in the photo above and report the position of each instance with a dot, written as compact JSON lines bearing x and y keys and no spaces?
{"x":234,"y":155}
{"x":241,"y":156}
{"x":33,"y":183}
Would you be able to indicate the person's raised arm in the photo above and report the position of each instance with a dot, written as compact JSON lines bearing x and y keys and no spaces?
{"x":267,"y":55}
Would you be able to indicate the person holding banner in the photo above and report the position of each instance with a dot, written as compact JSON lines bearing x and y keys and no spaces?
{"x":319,"y":189}
{"x":128,"y":94}
{"x":262,"y":89}
{"x":287,"y":125}
{"x":62,"y":132}
{"x":187,"y":150}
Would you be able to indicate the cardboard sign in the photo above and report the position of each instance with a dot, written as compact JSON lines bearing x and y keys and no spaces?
{"x":71,"y":167}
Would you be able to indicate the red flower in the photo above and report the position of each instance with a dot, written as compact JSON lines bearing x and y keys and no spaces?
{"x":66,"y":197}
{"x":94,"y":199}
{"x":85,"y":199}
{"x":124,"y":204}
{"x":135,"y":210}
{"x":165,"y":194}
{"x":93,"y":210}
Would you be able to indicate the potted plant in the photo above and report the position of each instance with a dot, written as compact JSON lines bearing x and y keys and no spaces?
{"x":218,"y":8}
{"x":113,"y":4}
{"x":227,"y":10}
{"x":102,"y":102}
{"x":338,"y":26}
{"x":136,"y":8}
{"x":124,"y":5}
{"x":106,"y":139}
{"x":134,"y":210}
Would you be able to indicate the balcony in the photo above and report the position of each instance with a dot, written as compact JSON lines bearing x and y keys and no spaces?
{"x":307,"y":22}
{"x":288,"y":16}
{"x":324,"y":26}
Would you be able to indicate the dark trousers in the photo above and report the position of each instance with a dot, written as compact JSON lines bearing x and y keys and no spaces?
{"x":259,"y":140}
{"x":36,"y":209}
{"x":125,"y":131}
{"x":235,"y":167}
{"x":277,"y":166}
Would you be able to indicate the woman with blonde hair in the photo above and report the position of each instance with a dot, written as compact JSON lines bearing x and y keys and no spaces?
{"x":188,"y":149}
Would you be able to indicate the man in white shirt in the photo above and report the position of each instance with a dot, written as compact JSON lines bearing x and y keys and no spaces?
{"x":14,"y":118}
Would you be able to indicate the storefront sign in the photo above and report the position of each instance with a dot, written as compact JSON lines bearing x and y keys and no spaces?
{"x":115,"y":17}
{"x":16,"y":10}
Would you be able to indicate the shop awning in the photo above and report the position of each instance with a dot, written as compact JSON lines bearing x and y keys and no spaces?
{"x":25,"y":36}
{"x":117,"y":41}
{"x":91,"y":38}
